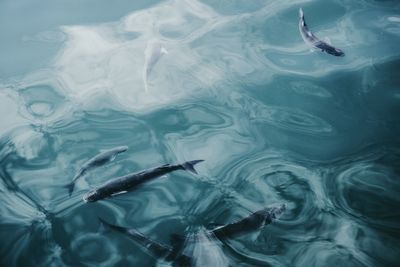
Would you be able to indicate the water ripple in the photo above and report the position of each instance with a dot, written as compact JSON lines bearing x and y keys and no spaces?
{"x":286,"y":118}
{"x":238,"y":88}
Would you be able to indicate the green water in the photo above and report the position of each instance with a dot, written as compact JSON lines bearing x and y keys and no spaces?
{"x":239,"y":88}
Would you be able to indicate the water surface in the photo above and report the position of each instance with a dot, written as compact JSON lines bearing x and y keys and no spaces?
{"x":274,"y":121}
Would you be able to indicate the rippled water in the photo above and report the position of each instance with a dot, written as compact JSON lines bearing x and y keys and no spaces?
{"x":239,"y":88}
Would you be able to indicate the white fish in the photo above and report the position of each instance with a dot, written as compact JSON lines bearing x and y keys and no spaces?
{"x":312,"y":40}
{"x":153,"y":52}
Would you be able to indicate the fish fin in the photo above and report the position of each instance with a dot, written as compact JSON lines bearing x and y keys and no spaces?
{"x":164,"y":50}
{"x":119,"y":193}
{"x":106,"y":227}
{"x":328,"y":41}
{"x":214,"y":226}
{"x":189,"y":165}
{"x":103,"y":228}
{"x":70,"y":187}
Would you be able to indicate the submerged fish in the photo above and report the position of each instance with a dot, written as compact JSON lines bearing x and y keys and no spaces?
{"x":252,"y":222}
{"x":99,"y":160}
{"x":128,"y":182}
{"x":153,"y":52}
{"x":200,"y":248}
{"x":310,"y":39}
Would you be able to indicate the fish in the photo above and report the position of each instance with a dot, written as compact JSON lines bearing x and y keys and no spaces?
{"x":310,"y":39}
{"x":155,"y":249}
{"x":97,"y":161}
{"x":201,"y":247}
{"x":153,"y":52}
{"x":252,"y":222}
{"x":128,"y":182}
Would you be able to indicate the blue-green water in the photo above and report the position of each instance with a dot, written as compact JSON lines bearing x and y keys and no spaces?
{"x":239,"y":88}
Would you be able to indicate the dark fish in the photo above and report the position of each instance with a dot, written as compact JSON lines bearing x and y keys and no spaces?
{"x":310,"y":39}
{"x":200,"y":248}
{"x":97,"y":161}
{"x":153,"y":248}
{"x":128,"y":182}
{"x":253,"y":222}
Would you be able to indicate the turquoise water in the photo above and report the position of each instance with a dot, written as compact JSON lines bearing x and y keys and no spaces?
{"x":274,"y":122}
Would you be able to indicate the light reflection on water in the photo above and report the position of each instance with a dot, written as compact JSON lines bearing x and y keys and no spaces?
{"x":275,"y":123}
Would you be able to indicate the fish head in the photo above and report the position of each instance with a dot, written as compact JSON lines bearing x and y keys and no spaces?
{"x":121,"y":149}
{"x":275,"y":211}
{"x":92,"y":196}
{"x":268,"y":214}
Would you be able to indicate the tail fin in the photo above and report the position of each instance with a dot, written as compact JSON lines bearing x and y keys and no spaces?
{"x":301,"y":13}
{"x":70,"y":187}
{"x":163,"y":50}
{"x":104,"y":228}
{"x":189,"y":165}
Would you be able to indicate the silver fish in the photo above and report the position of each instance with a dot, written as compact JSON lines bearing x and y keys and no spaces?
{"x":99,"y":160}
{"x":130,"y":181}
{"x":310,"y":39}
{"x":153,"y":52}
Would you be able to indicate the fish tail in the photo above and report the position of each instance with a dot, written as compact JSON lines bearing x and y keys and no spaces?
{"x":301,"y":13}
{"x":189,"y":165}
{"x":104,"y":226}
{"x":70,"y":187}
{"x":163,"y":50}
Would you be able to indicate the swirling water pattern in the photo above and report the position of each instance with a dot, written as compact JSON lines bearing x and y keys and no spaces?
{"x":274,"y":121}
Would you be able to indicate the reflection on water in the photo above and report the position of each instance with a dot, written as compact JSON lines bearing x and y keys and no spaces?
{"x":238,"y":87}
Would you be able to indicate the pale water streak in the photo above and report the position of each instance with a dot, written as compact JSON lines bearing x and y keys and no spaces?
{"x":274,"y":122}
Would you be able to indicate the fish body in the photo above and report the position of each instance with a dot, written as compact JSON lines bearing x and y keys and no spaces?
{"x":153,"y":52}
{"x":201,"y":247}
{"x":252,"y":222}
{"x":153,"y":248}
{"x":312,"y":40}
{"x":198,"y":249}
{"x":130,"y":181}
{"x":97,"y":161}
